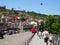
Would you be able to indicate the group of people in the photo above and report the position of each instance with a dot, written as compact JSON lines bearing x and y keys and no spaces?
{"x":45,"y":35}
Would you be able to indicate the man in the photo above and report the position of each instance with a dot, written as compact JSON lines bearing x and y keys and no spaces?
{"x":45,"y":36}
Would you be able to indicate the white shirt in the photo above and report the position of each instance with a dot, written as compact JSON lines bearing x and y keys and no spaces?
{"x":45,"y":34}
{"x":39,"y":33}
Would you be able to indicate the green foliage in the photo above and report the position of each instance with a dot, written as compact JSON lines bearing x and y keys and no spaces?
{"x":42,"y":25}
{"x":22,"y":13}
{"x":22,"y":19}
{"x":52,"y":24}
{"x":0,"y":15}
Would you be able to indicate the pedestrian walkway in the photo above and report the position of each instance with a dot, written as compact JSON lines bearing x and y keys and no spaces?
{"x":36,"y":40}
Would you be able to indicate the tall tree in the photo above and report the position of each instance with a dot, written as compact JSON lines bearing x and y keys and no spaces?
{"x":49,"y":20}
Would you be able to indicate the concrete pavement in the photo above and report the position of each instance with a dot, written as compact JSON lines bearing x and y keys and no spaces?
{"x":21,"y":38}
{"x":16,"y":39}
{"x":37,"y":41}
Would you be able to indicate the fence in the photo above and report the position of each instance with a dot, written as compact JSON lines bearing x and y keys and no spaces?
{"x":56,"y":39}
{"x":28,"y":41}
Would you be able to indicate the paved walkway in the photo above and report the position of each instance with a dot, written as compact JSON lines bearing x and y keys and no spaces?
{"x":16,"y":39}
{"x":36,"y":40}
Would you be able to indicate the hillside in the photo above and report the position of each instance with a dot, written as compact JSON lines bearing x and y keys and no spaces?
{"x":4,"y":11}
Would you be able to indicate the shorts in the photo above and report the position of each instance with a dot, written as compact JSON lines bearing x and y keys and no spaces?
{"x":46,"y":39}
{"x":51,"y":41}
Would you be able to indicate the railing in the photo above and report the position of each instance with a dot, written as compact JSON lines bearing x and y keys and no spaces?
{"x":56,"y":39}
{"x":28,"y":41}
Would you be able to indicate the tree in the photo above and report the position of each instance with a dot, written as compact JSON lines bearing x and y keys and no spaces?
{"x":49,"y":20}
{"x":1,"y":15}
{"x":22,"y":19}
{"x":52,"y":24}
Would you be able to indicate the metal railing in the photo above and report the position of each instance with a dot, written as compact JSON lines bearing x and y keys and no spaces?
{"x":28,"y":41}
{"x":56,"y":39}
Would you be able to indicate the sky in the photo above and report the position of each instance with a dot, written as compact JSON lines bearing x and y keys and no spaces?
{"x":49,"y":6}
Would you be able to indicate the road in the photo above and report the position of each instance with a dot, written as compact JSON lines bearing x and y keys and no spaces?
{"x":16,"y":39}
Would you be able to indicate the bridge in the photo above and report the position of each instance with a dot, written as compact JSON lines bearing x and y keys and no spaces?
{"x":25,"y":38}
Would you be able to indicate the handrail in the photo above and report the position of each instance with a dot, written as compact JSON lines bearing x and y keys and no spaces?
{"x":28,"y":41}
{"x":56,"y":39}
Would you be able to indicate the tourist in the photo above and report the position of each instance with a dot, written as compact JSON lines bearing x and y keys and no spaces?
{"x":45,"y":36}
{"x":33,"y":30}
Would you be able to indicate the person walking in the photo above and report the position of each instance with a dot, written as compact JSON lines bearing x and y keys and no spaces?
{"x":45,"y":35}
{"x":33,"y":30}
